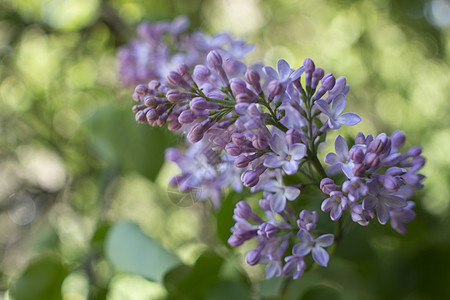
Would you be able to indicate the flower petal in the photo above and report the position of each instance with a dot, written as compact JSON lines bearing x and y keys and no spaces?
{"x":382,"y":213}
{"x":336,"y":212}
{"x":297,"y":73}
{"x":297,"y":151}
{"x":270,"y":72}
{"x":278,"y":144}
{"x":291,"y":193}
{"x":283,"y":69}
{"x":290,"y":167}
{"x":340,"y":145}
{"x":301,"y":249}
{"x":325,"y":240}
{"x":349,"y":119}
{"x":323,"y":106}
{"x":274,"y":161}
{"x":333,"y":124}
{"x":320,"y":256}
{"x":331,"y":159}
{"x":395,"y":201}
{"x":338,"y":104}
{"x":277,"y":202}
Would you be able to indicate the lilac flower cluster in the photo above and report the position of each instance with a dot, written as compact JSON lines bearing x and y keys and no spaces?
{"x":379,"y":178}
{"x":254,"y":127}
{"x":162,"y":46}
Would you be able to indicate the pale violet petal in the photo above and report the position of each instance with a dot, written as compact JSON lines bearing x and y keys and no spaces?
{"x":348,"y":119}
{"x":320,"y":256}
{"x":278,"y":144}
{"x":270,"y":72}
{"x":291,"y":193}
{"x":331,"y":159}
{"x":283,"y":69}
{"x":340,"y":145}
{"x":297,"y":73}
{"x":333,"y":124}
{"x":277,"y":202}
{"x":325,"y":240}
{"x":348,"y":170}
{"x":336,"y":212}
{"x":369,"y":202}
{"x":305,"y":236}
{"x":290,"y":167}
{"x":338,"y":104}
{"x":297,"y":151}
{"x":323,"y":106}
{"x":301,"y":249}
{"x":395,"y":201}
{"x":327,"y":205}
{"x":382,"y":213}
{"x":274,"y":161}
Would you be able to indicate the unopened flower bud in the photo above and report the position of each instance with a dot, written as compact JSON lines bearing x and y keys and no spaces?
{"x":238,"y":86}
{"x":327,"y":186}
{"x":357,"y":154}
{"x":309,"y":69}
{"x":249,"y":178}
{"x":359,"y":170}
{"x":372,"y":160}
{"x":241,"y":161}
{"x":201,"y":73}
{"x":267,"y":230}
{"x":176,"y":79}
{"x":243,"y":210}
{"x":238,"y":139}
{"x":154,"y":85}
{"x":245,"y":98}
{"x":186,"y":117}
{"x":151,"y":116}
{"x":253,"y":78}
{"x":275,"y":88}
{"x":173,"y":96}
{"x":141,"y":90}
{"x":253,"y":257}
{"x":398,"y":138}
{"x":259,"y":141}
{"x":214,"y":59}
{"x":316,"y":76}
{"x":390,"y":183}
{"x":232,"y":149}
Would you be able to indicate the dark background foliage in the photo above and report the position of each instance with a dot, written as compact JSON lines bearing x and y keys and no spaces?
{"x":74,"y":164}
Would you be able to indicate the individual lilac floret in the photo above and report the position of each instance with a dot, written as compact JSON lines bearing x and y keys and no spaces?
{"x":355,"y":188}
{"x":399,"y":217}
{"x":295,"y":265}
{"x":279,"y":193}
{"x":335,"y":119}
{"x":336,"y":204}
{"x":314,"y":245}
{"x":307,"y":220}
{"x":341,"y":158}
{"x":287,"y":157}
{"x":283,"y":72}
{"x":381,"y":200}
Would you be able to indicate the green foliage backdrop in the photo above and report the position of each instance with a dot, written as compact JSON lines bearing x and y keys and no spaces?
{"x":74,"y":164}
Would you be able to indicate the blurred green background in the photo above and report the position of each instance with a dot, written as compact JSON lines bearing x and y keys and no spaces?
{"x":74,"y":163}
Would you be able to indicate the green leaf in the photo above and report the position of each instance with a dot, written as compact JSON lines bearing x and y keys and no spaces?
{"x":131,"y":250}
{"x":229,"y":290}
{"x":41,"y":280}
{"x":120,"y":140}
{"x":193,"y":283}
{"x":225,"y":217}
{"x":271,"y":287}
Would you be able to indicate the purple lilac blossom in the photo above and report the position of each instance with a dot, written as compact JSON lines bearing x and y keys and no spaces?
{"x":239,"y":136}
